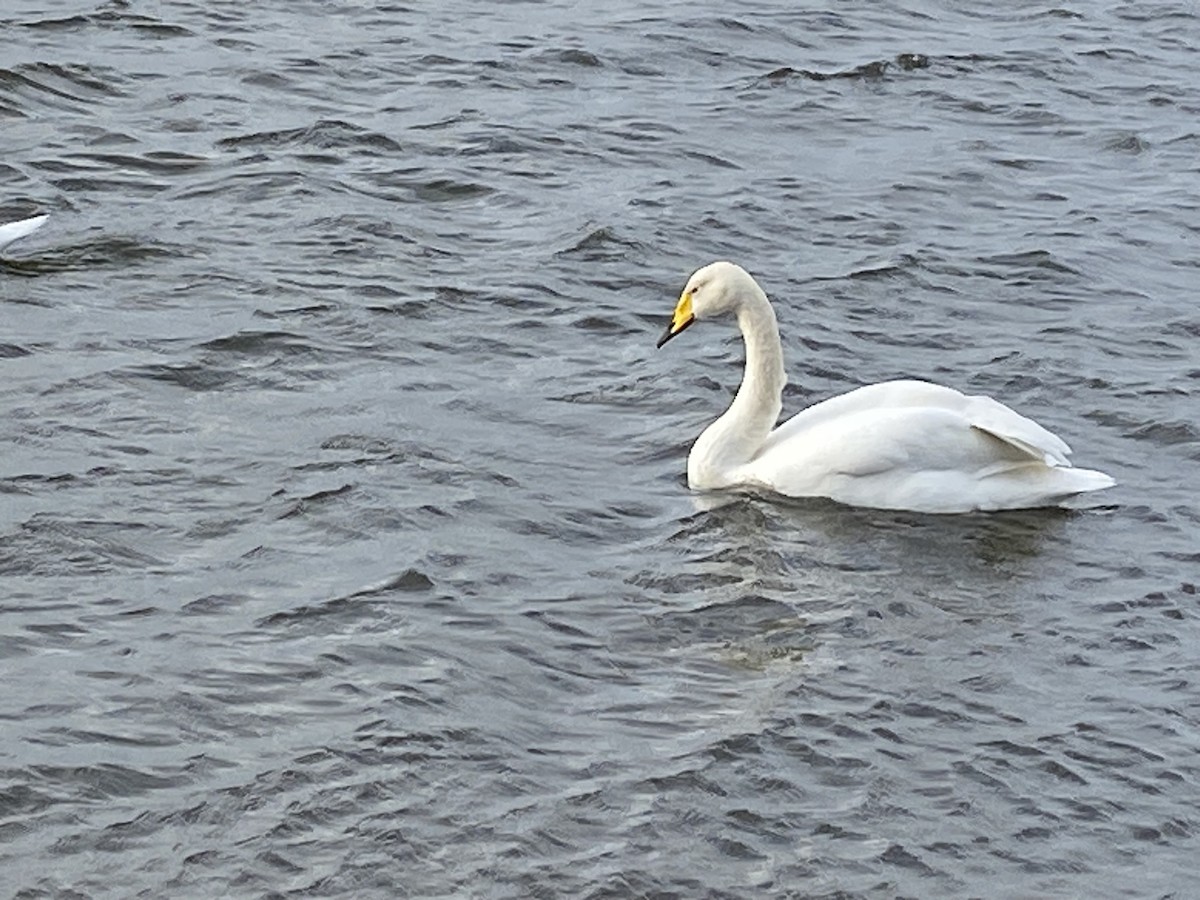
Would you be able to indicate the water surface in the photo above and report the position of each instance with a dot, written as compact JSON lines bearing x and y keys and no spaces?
{"x":344,"y":540}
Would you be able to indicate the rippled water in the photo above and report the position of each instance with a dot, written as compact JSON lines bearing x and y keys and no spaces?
{"x":345,"y":544}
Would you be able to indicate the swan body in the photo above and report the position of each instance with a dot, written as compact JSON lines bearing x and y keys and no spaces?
{"x":908,"y":445}
{"x":12,"y":231}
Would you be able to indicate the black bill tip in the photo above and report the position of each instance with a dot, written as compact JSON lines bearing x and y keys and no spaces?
{"x":672,"y":331}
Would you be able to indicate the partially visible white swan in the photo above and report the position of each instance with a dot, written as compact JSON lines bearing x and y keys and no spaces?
{"x":896,"y":445}
{"x":13,"y":231}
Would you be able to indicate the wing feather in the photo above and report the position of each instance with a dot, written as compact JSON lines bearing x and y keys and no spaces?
{"x":979,"y":412}
{"x":12,"y":231}
{"x":996,"y":419}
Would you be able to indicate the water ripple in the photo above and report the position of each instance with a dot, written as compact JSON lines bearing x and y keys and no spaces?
{"x":345,"y":539}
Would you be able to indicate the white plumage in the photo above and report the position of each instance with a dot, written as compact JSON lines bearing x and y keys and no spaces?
{"x":12,"y":231}
{"x":896,"y":445}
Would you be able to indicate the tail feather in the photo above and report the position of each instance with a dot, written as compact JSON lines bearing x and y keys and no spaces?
{"x":1083,"y":481}
{"x":1036,"y":485}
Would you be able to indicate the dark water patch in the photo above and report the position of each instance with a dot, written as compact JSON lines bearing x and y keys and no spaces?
{"x":306,"y":504}
{"x":497,"y":144}
{"x":1161,"y":433}
{"x":114,"y":17}
{"x":160,"y":29}
{"x":67,"y":23}
{"x":260,"y":343}
{"x":214,"y":604}
{"x":601,"y":244}
{"x":74,"y":82}
{"x":43,"y":544}
{"x":360,"y":443}
{"x":192,"y":376}
{"x":406,"y":309}
{"x":712,"y":159}
{"x":112,"y":252}
{"x":408,"y":581}
{"x":325,"y":134}
{"x":1127,"y":143}
{"x":1030,"y":265}
{"x":868,"y":71}
{"x":621,"y":396}
{"x":573,"y":56}
{"x":442,"y":190}
{"x":331,"y":614}
{"x":604,"y":325}
{"x":900,"y":268}
{"x":91,"y":184}
{"x":153,"y":162}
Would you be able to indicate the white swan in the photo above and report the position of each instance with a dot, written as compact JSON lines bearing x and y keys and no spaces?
{"x":896,"y":445}
{"x":12,"y":231}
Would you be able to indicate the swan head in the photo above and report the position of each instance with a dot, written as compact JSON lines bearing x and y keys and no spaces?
{"x":714,"y":290}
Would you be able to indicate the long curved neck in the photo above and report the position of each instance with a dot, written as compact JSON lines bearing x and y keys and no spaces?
{"x":737,"y":436}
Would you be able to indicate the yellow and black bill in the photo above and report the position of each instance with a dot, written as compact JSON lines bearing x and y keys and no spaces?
{"x":680,"y":320}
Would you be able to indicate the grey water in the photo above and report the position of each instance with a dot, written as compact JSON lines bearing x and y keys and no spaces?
{"x":345,"y":545}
